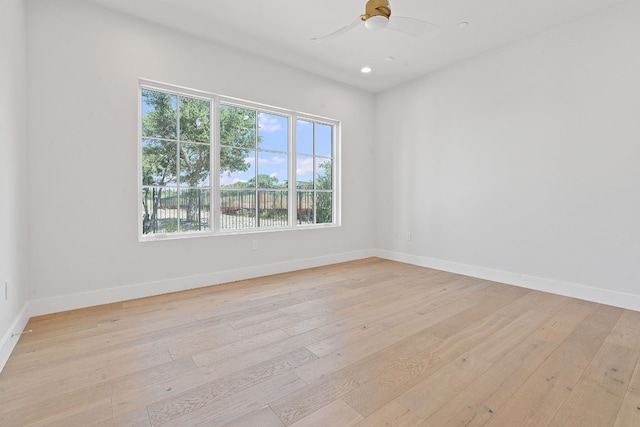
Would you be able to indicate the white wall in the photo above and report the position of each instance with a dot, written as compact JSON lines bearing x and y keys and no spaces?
{"x":85,"y":63}
{"x":522,"y":165}
{"x":13,"y":176}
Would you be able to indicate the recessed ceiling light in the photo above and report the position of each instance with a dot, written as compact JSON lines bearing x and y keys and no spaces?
{"x":463,"y":24}
{"x":365,"y":70}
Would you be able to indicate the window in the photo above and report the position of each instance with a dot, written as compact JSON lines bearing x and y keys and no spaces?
{"x":254,"y":168}
{"x":273,"y":169}
{"x":314,"y":172}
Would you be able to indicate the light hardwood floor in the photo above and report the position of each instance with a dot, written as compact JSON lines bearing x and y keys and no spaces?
{"x":365,"y":343}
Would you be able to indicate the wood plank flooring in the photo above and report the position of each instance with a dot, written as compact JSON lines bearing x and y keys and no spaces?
{"x":365,"y":343}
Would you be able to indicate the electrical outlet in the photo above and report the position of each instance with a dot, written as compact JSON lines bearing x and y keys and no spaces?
{"x":255,"y":245}
{"x":408,"y":237}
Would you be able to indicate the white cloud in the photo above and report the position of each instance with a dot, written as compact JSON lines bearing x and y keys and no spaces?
{"x":275,"y":160}
{"x":268,"y":123}
{"x":305,"y":166}
{"x":230,"y":179}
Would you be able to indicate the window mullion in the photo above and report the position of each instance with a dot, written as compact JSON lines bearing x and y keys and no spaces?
{"x":314,"y":180}
{"x":215,"y":199}
{"x":256,"y":173}
{"x":179,"y":148}
{"x":293,"y":161}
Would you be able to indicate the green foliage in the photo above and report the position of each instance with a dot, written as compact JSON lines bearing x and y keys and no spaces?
{"x":305,"y":185}
{"x":171,"y":225}
{"x":321,"y":198}
{"x":158,"y":162}
{"x":160,"y":121}
{"x":195,"y":167}
{"x":325,"y":181}
{"x":195,"y":126}
{"x":195,"y":116}
{"x":324,"y":206}
{"x":264,"y":181}
{"x":237,"y":136}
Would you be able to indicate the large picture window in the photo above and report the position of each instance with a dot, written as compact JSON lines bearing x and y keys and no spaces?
{"x":214,"y":165}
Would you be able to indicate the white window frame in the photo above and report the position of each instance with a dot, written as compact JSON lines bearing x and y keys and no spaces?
{"x":214,"y":180}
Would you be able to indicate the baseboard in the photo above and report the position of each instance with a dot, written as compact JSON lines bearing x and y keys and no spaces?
{"x":588,"y":293}
{"x":140,"y":290}
{"x":9,"y":340}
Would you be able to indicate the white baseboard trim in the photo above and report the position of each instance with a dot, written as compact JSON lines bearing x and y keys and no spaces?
{"x":8,"y":341}
{"x":588,"y":293}
{"x":140,"y":290}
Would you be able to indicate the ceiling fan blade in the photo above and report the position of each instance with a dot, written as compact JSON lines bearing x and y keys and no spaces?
{"x":342,"y":30}
{"x":412,"y":27}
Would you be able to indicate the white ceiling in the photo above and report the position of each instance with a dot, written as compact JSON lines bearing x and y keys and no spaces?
{"x":281,"y":30}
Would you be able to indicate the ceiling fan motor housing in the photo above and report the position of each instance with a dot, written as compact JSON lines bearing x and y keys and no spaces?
{"x":376,"y":8}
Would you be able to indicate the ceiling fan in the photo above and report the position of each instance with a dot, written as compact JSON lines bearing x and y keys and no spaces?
{"x":377,"y":16}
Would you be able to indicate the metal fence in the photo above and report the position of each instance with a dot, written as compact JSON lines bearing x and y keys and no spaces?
{"x":165,"y":208}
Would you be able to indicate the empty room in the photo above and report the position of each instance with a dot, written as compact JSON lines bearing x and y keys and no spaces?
{"x":320,"y":213}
